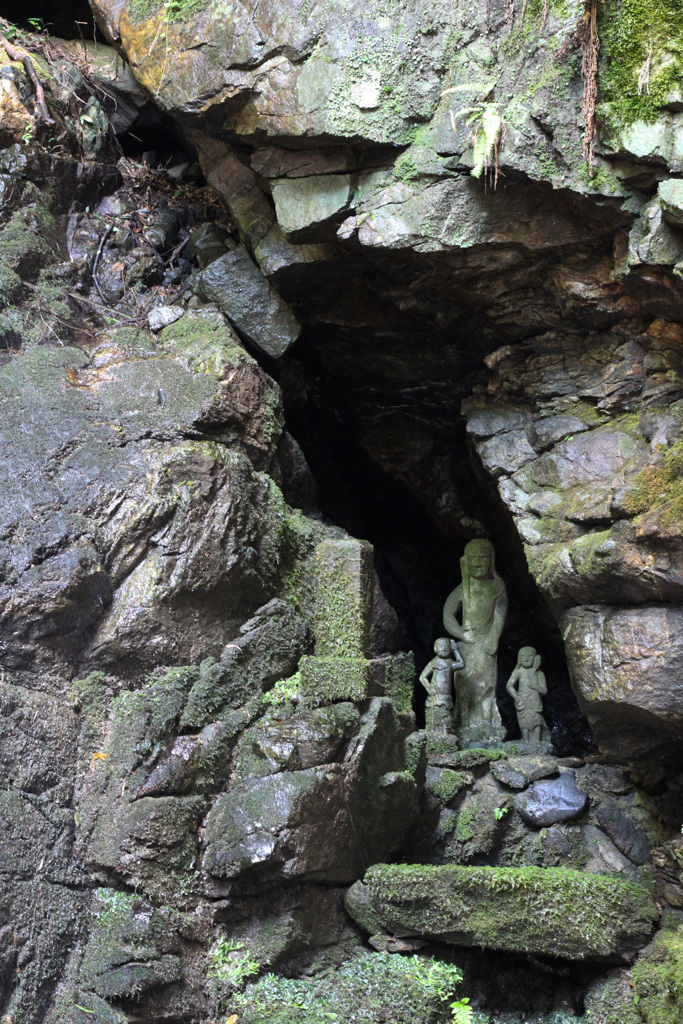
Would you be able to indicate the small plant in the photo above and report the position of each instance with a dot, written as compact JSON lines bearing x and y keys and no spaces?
{"x":284,"y":691}
{"x":488,"y":135}
{"x":29,"y":134}
{"x":39,"y":26}
{"x":500,"y":812}
{"x":461,"y":1011}
{"x":231,"y":964}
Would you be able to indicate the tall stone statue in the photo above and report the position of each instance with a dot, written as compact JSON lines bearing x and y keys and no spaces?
{"x":527,"y":687}
{"x":482,"y":598}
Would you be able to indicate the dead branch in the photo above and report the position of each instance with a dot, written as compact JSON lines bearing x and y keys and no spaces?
{"x":14,"y":54}
{"x":590,"y":49}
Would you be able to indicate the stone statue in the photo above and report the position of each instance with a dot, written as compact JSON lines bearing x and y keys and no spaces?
{"x":437,"y":679}
{"x":483,"y":600}
{"x":527,"y":686}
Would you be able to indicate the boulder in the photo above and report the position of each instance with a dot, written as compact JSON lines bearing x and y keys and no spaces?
{"x":236,"y":285}
{"x":551,"y":801}
{"x":543,"y":911}
{"x":318,"y":823}
{"x":630,"y":694}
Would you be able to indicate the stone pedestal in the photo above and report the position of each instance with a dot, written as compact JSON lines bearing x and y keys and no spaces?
{"x":489,"y":736}
{"x":341,"y":668}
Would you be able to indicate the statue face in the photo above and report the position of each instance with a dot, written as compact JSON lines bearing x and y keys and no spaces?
{"x":479,"y":564}
{"x":443,"y":648}
{"x":526,"y":657}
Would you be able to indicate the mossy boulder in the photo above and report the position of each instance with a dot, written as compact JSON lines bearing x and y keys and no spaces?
{"x":372,"y":987}
{"x":658,"y":979}
{"x":318,"y":823}
{"x":545,"y":911}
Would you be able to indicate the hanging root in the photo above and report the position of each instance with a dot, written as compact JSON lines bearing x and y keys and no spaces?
{"x":17,"y":55}
{"x":644,"y":74}
{"x":544,"y":16}
{"x":590,"y":50}
{"x":511,"y":15}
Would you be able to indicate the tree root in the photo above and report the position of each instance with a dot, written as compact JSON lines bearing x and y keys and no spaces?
{"x":14,"y":54}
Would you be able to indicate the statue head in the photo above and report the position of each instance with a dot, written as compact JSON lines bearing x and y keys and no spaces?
{"x":442,"y":648}
{"x":479,"y":559}
{"x":527,"y":657}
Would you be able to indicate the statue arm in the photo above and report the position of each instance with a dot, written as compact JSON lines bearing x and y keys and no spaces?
{"x":426,"y":676}
{"x":499,"y":614}
{"x":450,"y":610}
{"x":458,"y":660}
{"x":540,"y":683}
{"x":511,"y":688}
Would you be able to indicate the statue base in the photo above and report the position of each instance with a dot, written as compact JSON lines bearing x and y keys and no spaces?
{"x":441,"y":748}
{"x":513,"y":747}
{"x":490,"y":737}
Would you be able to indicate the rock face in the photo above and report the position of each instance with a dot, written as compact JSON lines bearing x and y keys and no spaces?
{"x":206,"y":731}
{"x":561,"y":913}
{"x":564,"y":277}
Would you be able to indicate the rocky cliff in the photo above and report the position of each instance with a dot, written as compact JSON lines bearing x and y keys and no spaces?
{"x":275,"y":277}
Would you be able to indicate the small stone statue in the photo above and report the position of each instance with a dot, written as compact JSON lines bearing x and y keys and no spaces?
{"x":527,"y":686}
{"x":483,"y":600}
{"x":437,"y":679}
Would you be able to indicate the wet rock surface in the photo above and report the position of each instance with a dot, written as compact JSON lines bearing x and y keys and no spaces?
{"x":551,"y":801}
{"x":200,"y":756}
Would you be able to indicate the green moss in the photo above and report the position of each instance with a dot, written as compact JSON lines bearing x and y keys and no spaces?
{"x":399,"y":682}
{"x":659,"y":489}
{"x":658,"y":979}
{"x":627,"y":28}
{"x":464,"y":824}
{"x":450,"y":784}
{"x":326,"y":680}
{"x":373,"y":988}
{"x":91,"y":698}
{"x":611,"y":1001}
{"x":176,"y":10}
{"x":555,"y":911}
{"x":475,"y":757}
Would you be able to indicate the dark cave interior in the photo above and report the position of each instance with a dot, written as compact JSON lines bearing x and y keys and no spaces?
{"x":67,"y":19}
{"x":417,"y":554}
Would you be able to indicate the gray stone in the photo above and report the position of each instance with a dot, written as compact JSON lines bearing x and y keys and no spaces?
{"x":670,"y":194}
{"x":520,"y":772}
{"x":632,"y":700}
{"x":236,"y":284}
{"x":163,"y":316}
{"x":306,"y":207}
{"x":320,"y":823}
{"x":652,"y":238}
{"x":551,"y":801}
{"x":632,"y":840}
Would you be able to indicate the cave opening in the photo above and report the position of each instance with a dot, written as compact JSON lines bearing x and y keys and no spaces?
{"x":390,"y":456}
{"x":66,"y":19}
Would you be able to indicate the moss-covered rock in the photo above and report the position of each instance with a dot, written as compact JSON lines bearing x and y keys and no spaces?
{"x":658,"y":979}
{"x":549,"y":911}
{"x":404,"y":990}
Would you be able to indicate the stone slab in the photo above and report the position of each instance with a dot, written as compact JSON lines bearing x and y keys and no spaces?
{"x":344,"y":599}
{"x":543,"y":911}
